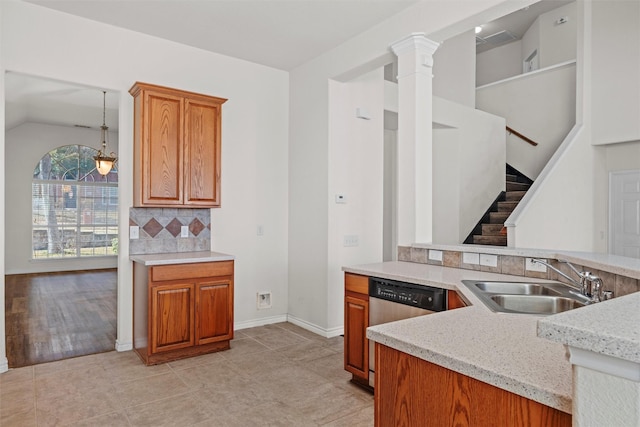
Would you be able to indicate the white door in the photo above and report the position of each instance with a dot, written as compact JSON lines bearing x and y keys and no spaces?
{"x":624,"y":213}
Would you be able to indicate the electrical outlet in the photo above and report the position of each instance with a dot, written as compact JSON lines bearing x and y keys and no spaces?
{"x":134,"y":232}
{"x":470,"y":258}
{"x":350,"y":240}
{"x":184,"y":231}
{"x":435,"y":255}
{"x":488,"y":260}
{"x":535,"y":266}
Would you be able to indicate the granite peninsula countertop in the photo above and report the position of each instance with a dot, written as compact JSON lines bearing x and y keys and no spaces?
{"x":500,"y":349}
{"x":611,"y":328}
{"x":180,"y":258}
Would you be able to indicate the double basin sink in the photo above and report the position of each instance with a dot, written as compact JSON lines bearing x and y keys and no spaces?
{"x":527,"y":298}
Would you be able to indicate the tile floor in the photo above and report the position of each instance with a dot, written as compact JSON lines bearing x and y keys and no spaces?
{"x":274,"y":375}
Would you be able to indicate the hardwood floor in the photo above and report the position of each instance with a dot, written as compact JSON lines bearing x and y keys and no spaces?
{"x":54,"y":316}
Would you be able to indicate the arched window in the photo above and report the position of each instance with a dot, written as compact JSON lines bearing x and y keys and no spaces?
{"x":74,"y":208}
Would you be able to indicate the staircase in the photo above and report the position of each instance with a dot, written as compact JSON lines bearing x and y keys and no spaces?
{"x":490,"y":229}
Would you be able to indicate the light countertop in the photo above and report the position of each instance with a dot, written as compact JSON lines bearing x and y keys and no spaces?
{"x":180,"y":258}
{"x":497,"y":348}
{"x":611,"y":328}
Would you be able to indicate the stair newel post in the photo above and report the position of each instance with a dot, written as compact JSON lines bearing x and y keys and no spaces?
{"x":415,"y":138}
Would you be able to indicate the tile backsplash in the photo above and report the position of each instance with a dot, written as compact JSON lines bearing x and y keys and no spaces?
{"x":160,"y":230}
{"x":513,"y":265}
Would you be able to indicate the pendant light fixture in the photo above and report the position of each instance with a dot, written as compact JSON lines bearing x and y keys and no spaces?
{"x":104,"y":163}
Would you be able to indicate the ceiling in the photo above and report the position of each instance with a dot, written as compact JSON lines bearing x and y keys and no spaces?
{"x":277,"y":33}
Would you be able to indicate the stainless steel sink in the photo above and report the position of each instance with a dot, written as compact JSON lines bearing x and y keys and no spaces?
{"x":536,"y":304}
{"x":515,"y":288}
{"x":527,"y":297}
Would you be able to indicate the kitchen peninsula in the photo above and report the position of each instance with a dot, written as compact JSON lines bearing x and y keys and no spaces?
{"x":473,"y":347}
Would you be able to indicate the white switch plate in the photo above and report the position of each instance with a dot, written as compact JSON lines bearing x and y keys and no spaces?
{"x":435,"y":255}
{"x":341,"y":198}
{"x":489,"y":260}
{"x":470,"y":258}
{"x":184,"y":231}
{"x":134,"y":232}
{"x":531,"y":266}
{"x":350,"y":240}
{"x":260,"y":230}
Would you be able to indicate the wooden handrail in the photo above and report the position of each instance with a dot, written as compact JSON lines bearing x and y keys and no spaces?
{"x":521,"y":136}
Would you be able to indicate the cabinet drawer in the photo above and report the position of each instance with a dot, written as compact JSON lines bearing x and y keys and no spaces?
{"x":195,"y":270}
{"x":356,"y":283}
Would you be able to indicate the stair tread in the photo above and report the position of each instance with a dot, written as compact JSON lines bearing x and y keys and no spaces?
{"x":490,"y":240}
{"x":514,"y":186}
{"x":498,"y":217}
{"x":514,"y":195}
{"x":491,"y":229}
{"x":507,"y":206}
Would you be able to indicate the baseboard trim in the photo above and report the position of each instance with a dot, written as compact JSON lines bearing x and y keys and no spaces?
{"x":327,"y":333}
{"x":124,"y":346}
{"x":259,"y":322}
{"x":4,"y":365}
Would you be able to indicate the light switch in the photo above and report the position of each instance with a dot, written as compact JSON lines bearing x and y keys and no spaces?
{"x":470,"y":258}
{"x":184,"y":231}
{"x":134,"y":232}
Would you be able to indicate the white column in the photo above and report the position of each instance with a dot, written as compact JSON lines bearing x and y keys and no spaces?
{"x":415,"y":138}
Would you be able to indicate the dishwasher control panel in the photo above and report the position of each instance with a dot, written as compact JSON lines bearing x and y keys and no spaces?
{"x":420,"y":296}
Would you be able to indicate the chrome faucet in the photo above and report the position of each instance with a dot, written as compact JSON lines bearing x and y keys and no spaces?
{"x":589,"y":284}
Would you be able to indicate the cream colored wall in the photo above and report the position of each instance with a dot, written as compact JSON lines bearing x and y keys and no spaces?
{"x":540,"y":105}
{"x":254,"y":136}
{"x":454,"y":69}
{"x":499,"y":63}
{"x":356,"y":155}
{"x":309,"y":243}
{"x":25,"y":145}
{"x":616,"y":67}
{"x":558,"y":41}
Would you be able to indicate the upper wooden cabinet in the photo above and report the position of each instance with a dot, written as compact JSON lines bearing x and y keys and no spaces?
{"x":177,"y":139}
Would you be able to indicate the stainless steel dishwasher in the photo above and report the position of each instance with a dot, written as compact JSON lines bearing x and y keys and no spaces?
{"x":391,"y":300}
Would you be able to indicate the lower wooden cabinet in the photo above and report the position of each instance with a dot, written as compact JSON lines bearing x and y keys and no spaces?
{"x":356,"y":321}
{"x":413,"y":392}
{"x":454,"y":300}
{"x":182,"y":310}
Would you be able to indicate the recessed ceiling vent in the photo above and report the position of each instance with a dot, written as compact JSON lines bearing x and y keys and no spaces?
{"x":499,"y":38}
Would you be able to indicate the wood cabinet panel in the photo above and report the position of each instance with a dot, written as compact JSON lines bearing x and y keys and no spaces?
{"x":162,"y":147}
{"x":454,"y":300}
{"x":356,"y":283}
{"x":172,"y":321}
{"x":193,"y":270}
{"x":356,"y":348}
{"x":214,"y":311}
{"x":177,"y":147}
{"x":202,"y":150}
{"x":413,"y":392}
{"x":182,"y":310}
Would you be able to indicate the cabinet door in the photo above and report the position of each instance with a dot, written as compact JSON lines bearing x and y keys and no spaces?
{"x":202,"y":153}
{"x":214,"y":311}
{"x":162,"y":149}
{"x":172,"y":317}
{"x":356,"y":345}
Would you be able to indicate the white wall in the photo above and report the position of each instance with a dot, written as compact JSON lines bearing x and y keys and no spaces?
{"x":499,"y":63}
{"x":25,"y":145}
{"x":454,"y":69}
{"x":616,"y":61}
{"x":540,"y":105}
{"x":555,"y":43}
{"x":469,"y":146}
{"x":254,"y":136}
{"x":356,"y":154}
{"x":558,"y":41}
{"x":309,"y":282}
